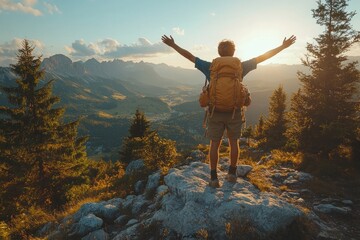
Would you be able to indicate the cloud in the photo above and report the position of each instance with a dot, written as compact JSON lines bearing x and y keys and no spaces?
{"x":110,"y":48}
{"x":9,"y":50}
{"x":26,"y":6}
{"x":178,"y":31}
{"x":143,"y":48}
{"x":81,"y":49}
{"x":212,"y":14}
{"x":108,"y":45}
{"x":51,"y":8}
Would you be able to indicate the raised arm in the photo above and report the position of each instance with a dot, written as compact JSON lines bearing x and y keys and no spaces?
{"x":171,"y":43}
{"x":286,"y":43}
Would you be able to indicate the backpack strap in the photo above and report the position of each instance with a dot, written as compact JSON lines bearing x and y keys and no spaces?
{"x":206,"y":84}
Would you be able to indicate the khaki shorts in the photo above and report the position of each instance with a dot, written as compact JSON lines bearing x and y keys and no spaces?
{"x":221,"y":121}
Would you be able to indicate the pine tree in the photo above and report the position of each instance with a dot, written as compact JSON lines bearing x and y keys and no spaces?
{"x":133,"y":144}
{"x":140,"y":125}
{"x":259,"y":128}
{"x":276,"y":123}
{"x":158,"y":153}
{"x":323,"y":111}
{"x":43,"y":156}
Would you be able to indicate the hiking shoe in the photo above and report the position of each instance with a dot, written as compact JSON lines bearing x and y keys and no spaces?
{"x":214,"y":183}
{"x":231,"y":178}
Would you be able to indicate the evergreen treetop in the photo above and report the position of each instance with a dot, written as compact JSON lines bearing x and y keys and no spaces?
{"x":44,"y":157}
{"x":323,"y":111}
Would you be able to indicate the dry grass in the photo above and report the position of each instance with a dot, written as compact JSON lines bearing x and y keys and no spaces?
{"x":202,"y":234}
{"x":259,"y":178}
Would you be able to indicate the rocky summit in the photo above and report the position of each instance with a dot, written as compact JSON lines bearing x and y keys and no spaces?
{"x":183,"y":207}
{"x":191,"y":205}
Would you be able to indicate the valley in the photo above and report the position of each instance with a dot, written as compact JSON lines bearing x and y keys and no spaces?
{"x":105,"y":95}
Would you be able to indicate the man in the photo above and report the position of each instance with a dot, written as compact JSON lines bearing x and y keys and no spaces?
{"x":225,"y":120}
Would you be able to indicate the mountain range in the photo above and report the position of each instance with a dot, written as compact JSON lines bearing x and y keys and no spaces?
{"x":109,"y":91}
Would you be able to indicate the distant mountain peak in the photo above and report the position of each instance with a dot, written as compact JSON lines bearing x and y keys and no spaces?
{"x":59,"y":58}
{"x":92,"y":61}
{"x":61,"y":64}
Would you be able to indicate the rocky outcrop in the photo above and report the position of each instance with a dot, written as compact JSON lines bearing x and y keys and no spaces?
{"x":192,"y":205}
{"x":182,"y":207}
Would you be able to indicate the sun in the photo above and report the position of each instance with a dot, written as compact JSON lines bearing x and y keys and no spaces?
{"x":257,"y":43}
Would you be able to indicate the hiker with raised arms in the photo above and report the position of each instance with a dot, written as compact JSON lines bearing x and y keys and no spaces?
{"x":225,"y":97}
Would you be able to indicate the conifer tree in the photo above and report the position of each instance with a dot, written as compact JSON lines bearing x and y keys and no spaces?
{"x":140,"y":125}
{"x":133,"y":144}
{"x":142,"y":143}
{"x":275,"y":124}
{"x":44,"y":158}
{"x":259,"y":128}
{"x":323,"y":111}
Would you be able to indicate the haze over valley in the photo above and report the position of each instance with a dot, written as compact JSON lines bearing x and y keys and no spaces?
{"x":106,"y":95}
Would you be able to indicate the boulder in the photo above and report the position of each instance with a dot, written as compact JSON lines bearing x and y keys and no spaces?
{"x":198,"y":155}
{"x":153,"y":181}
{"x":135,"y":166}
{"x":139,"y":205}
{"x":86,"y":225}
{"x":129,"y":233}
{"x":329,"y":209}
{"x":161,"y":191}
{"x":122,"y":220}
{"x":108,"y":211}
{"x":192,"y":205}
{"x":243,"y":170}
{"x":139,"y":187}
{"x":97,"y":235}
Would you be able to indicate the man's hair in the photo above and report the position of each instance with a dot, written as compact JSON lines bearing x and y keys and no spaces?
{"x":226,"y":48}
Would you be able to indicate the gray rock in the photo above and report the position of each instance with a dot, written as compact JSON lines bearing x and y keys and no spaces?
{"x":128,"y":233}
{"x":224,"y":163}
{"x":139,"y":205}
{"x":122,"y":220}
{"x":290,"y":195}
{"x":86,"y":225}
{"x":139,"y":187}
{"x":153,"y":181}
{"x":97,"y":235}
{"x":161,"y":191}
{"x":304,"y":177}
{"x":46,"y":229}
{"x":347,"y":202}
{"x":329,"y":209}
{"x":243,"y":170}
{"x":132,"y":222}
{"x":129,"y":201}
{"x":109,"y":212}
{"x":105,"y":210}
{"x":135,"y":166}
{"x":291,"y":180}
{"x":192,"y":205}
{"x":198,"y":155}
{"x":294,"y":194}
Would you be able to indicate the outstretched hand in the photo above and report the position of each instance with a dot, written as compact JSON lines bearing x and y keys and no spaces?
{"x":168,"y":41}
{"x":288,"y":42}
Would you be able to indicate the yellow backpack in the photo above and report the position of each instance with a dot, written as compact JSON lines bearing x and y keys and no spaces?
{"x":225,"y":93}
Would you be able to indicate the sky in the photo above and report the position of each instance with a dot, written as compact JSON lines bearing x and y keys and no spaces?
{"x":131,"y":30}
